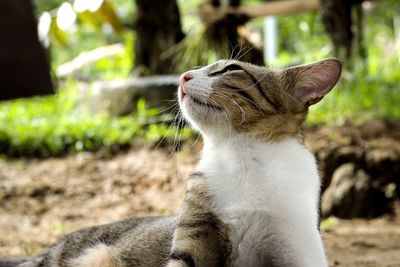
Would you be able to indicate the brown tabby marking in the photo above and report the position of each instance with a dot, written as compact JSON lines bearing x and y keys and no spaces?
{"x":200,"y":239}
{"x":263,"y":100}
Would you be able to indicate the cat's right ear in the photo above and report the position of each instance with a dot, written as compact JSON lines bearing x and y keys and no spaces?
{"x":310,"y":83}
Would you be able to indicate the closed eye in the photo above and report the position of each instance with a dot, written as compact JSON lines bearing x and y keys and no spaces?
{"x":228,"y":68}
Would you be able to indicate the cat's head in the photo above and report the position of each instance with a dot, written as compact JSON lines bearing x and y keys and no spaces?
{"x":230,"y":96}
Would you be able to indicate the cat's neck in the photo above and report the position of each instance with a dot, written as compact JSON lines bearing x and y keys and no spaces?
{"x":239,"y":146}
{"x":244,"y":172}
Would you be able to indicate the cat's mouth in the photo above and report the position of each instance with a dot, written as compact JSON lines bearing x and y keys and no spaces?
{"x":202,"y":103}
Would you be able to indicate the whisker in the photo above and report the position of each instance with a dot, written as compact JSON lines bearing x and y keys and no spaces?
{"x":249,"y":48}
{"x":238,"y":54}
{"x":230,"y":98}
{"x":173,"y":124}
{"x":228,"y":119}
{"x":195,"y":141}
{"x":232,"y":51}
{"x":177,"y":135}
{"x":173,"y":106}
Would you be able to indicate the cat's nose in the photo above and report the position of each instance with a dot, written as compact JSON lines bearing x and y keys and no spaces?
{"x":187,"y":76}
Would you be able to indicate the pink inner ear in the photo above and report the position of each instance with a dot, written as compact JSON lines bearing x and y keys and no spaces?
{"x":316,"y":80}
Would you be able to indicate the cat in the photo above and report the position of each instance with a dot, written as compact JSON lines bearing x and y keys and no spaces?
{"x":252,"y":200}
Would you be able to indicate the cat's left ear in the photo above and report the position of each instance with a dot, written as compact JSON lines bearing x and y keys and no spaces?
{"x":310,"y":83}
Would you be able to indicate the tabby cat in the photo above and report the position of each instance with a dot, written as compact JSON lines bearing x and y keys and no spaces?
{"x":251,"y":201}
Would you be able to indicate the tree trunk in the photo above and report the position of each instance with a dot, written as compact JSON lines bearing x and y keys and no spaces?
{"x":158,"y":28}
{"x":336,"y":15}
{"x":24,"y":69}
{"x":338,"y":20}
{"x":223,"y":33}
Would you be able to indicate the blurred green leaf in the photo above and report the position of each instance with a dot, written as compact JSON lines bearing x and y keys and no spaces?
{"x":90,"y":19}
{"x":59,"y":35}
{"x":108,"y":14}
{"x":328,"y":223}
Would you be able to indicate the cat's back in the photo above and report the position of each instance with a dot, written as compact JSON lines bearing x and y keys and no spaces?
{"x":141,"y":242}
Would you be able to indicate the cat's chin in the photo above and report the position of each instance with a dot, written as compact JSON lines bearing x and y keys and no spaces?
{"x":196,"y":102}
{"x":198,"y":110}
{"x":199,"y":115}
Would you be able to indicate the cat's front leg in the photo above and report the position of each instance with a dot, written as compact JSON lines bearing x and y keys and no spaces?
{"x":203,"y":250}
{"x":200,"y":238}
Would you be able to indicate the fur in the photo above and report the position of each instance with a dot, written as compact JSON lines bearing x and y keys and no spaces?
{"x":260,"y":181}
{"x":267,"y":194}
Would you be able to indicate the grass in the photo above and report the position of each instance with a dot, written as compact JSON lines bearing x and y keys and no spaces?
{"x":54,"y":125}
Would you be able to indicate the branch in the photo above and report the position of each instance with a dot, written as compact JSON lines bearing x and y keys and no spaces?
{"x":210,"y":14}
{"x":277,"y":8}
{"x":87,"y":58}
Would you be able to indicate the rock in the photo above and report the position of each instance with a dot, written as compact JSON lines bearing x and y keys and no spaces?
{"x":329,"y":160}
{"x":352,"y":194}
{"x":383,"y":157}
{"x":373,"y":147}
{"x":373,"y":128}
{"x":120,"y":96}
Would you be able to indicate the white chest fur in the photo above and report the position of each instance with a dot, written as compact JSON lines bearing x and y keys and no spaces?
{"x":267,"y":193}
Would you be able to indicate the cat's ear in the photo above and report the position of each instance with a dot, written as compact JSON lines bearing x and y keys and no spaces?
{"x":310,"y":83}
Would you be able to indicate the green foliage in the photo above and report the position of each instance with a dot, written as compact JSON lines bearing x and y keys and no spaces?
{"x":46,"y":5}
{"x":94,"y":27}
{"x":328,"y":223}
{"x":54,"y":125}
{"x":368,"y":88}
{"x":117,"y":67}
{"x":195,"y":51}
{"x":360,"y":97}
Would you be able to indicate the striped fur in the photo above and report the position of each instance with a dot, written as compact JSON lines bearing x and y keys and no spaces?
{"x":200,"y":233}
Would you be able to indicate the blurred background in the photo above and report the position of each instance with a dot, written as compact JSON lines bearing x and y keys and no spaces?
{"x":88,"y":126}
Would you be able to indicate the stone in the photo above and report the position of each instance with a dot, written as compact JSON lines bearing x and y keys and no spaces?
{"x":120,"y":96}
{"x":352,"y":194}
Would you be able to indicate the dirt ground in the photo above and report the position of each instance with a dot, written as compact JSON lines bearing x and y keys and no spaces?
{"x":40,"y":200}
